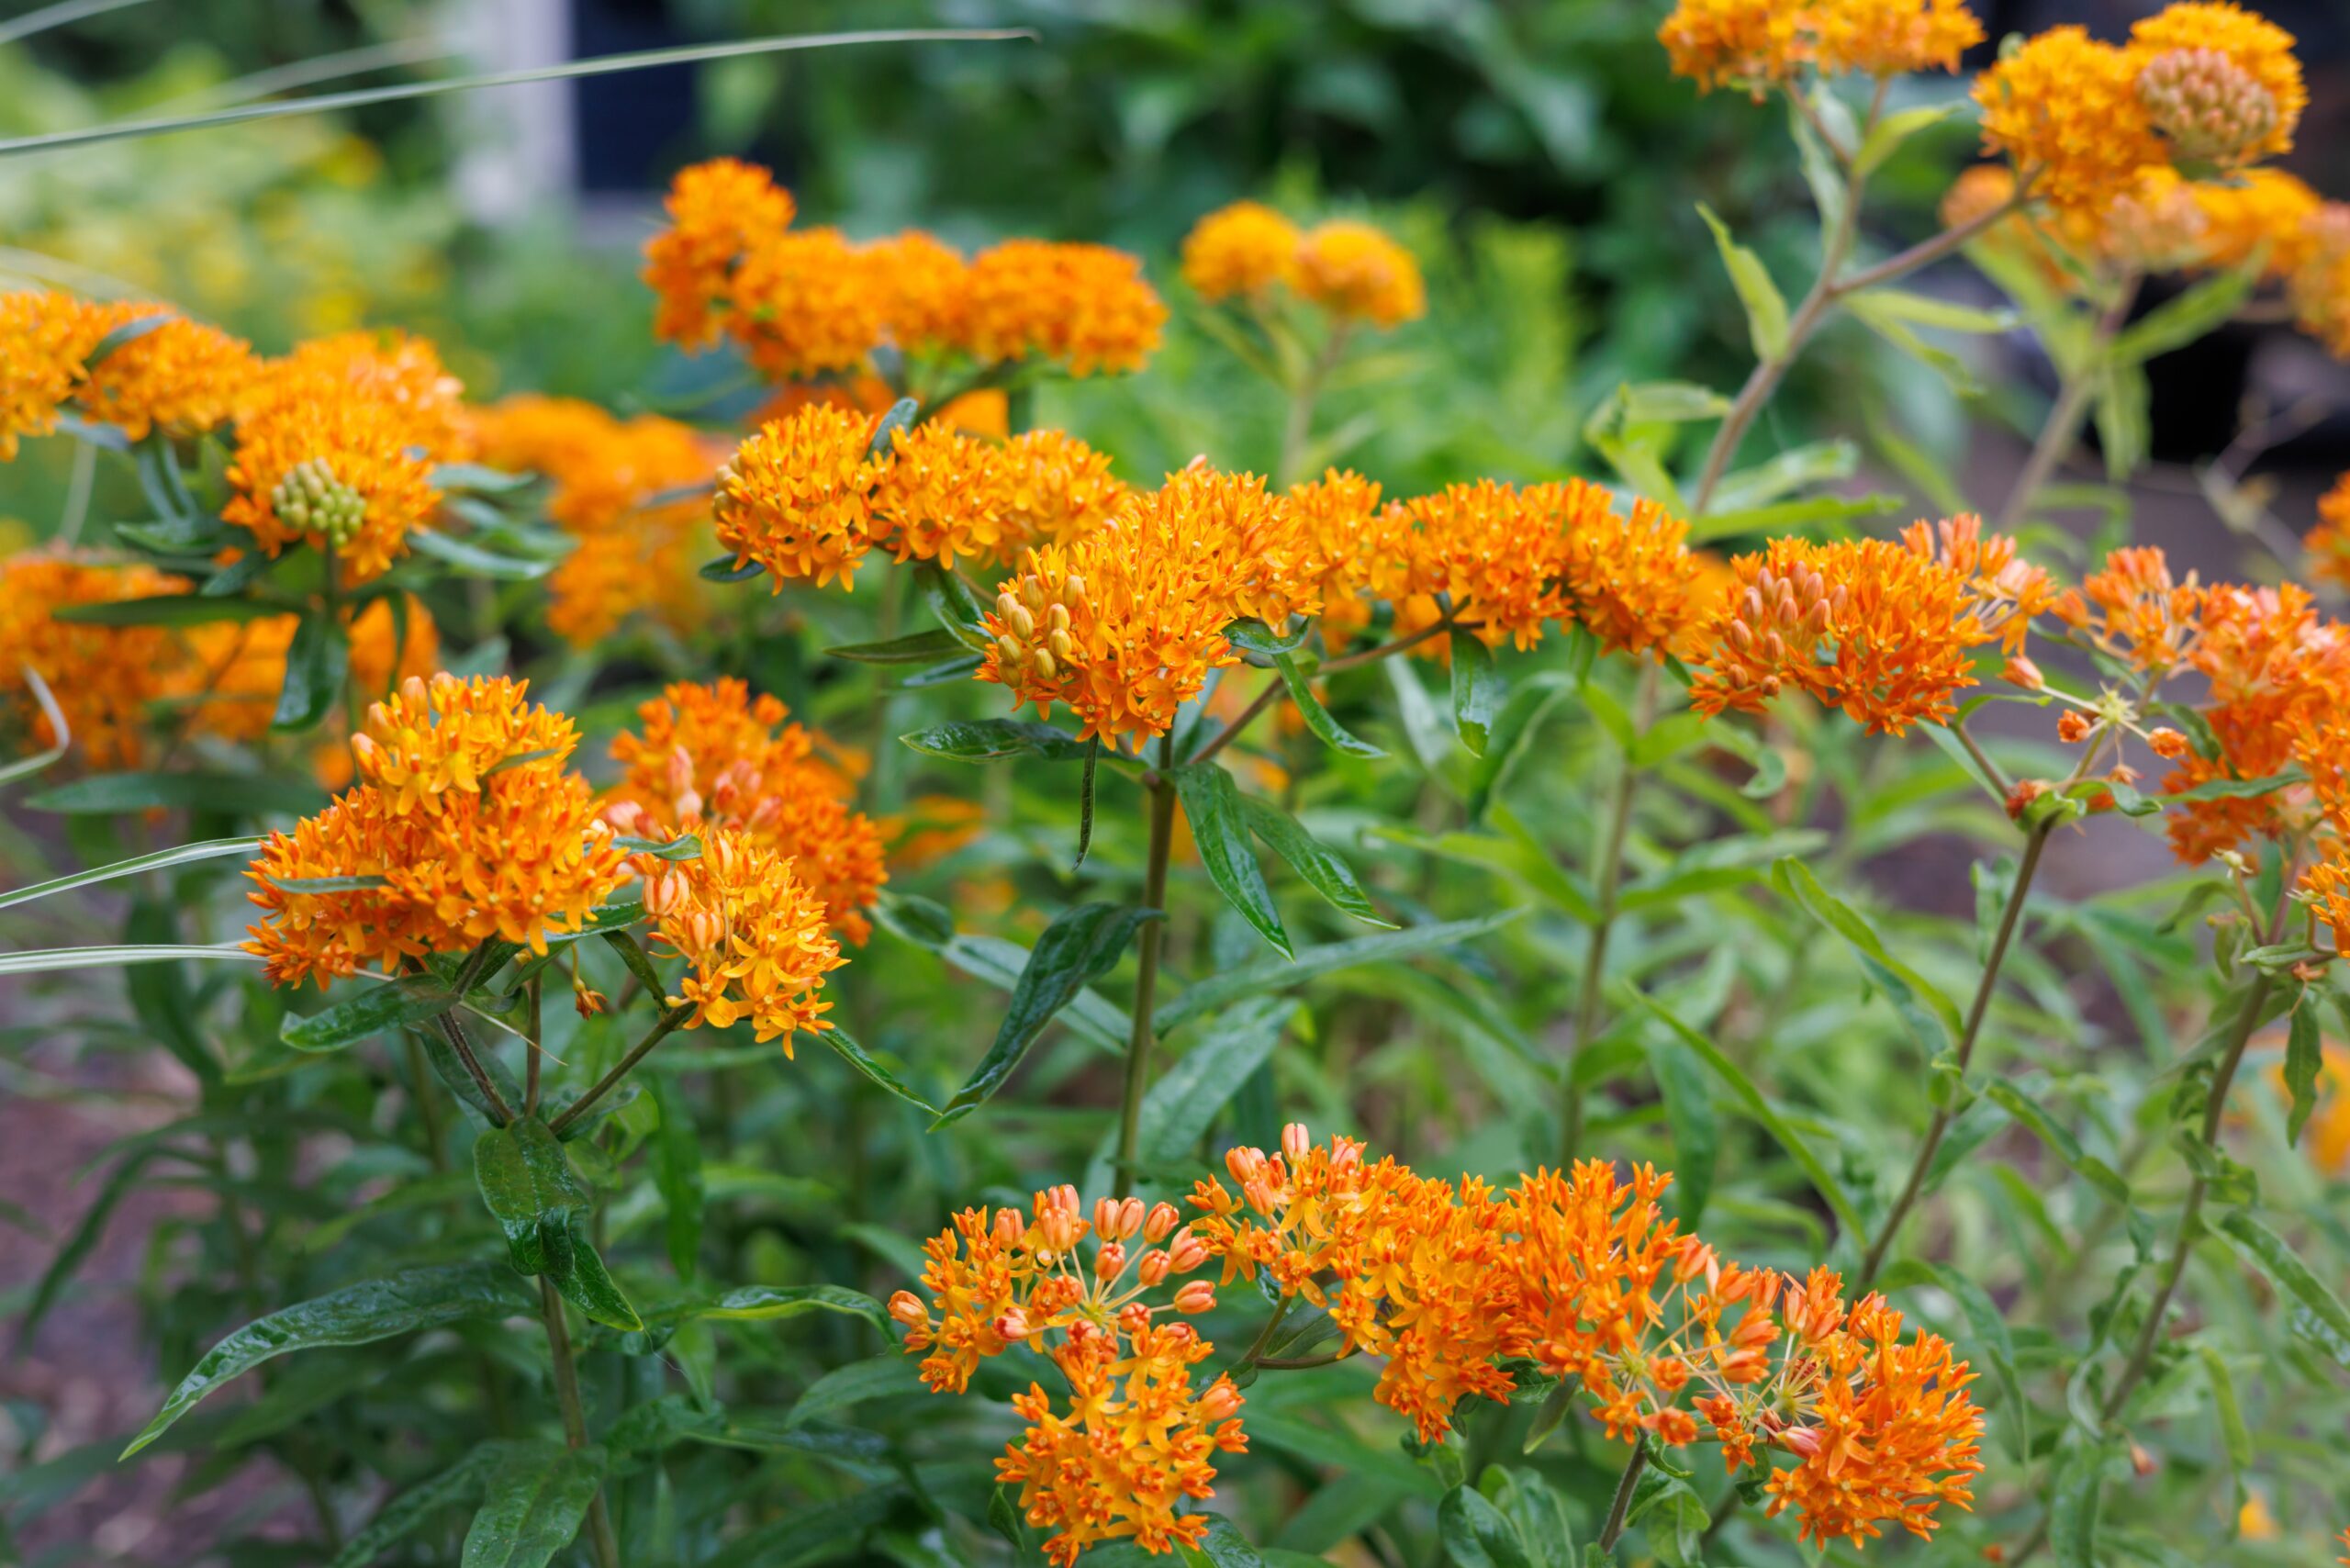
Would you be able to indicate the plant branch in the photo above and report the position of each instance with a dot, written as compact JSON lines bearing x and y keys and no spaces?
{"x":454,"y":1033}
{"x":2062,"y":429}
{"x":1162,"y":795}
{"x":574,"y":1419}
{"x":1608,"y":878}
{"x":662,"y":1028}
{"x":1621,"y":1505}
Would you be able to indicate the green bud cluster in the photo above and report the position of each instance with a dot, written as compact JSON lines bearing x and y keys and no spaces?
{"x":312,"y":499}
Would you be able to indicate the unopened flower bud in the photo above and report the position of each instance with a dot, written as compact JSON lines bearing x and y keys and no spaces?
{"x":1187,"y":1252}
{"x":2022,"y":671}
{"x":1110,"y":1262}
{"x":1221,"y":1403}
{"x":1195,"y":1297}
{"x":1154,"y":1266}
{"x":1160,"y":1223}
{"x":908,"y":1309}
{"x":1295,"y":1141}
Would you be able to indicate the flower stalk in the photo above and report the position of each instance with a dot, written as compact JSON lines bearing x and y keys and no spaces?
{"x":601,"y":1535}
{"x":1161,"y":794}
{"x":2074,"y":394}
{"x":1608,"y":878}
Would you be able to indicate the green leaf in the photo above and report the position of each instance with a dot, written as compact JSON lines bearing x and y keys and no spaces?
{"x":996,"y":961}
{"x":890,"y":1375}
{"x":405,"y":1302}
{"x":1182,"y":1106}
{"x":580,"y":1277}
{"x":479,"y":479}
{"x":600,"y":66}
{"x":2059,"y":1139}
{"x":1082,"y":944}
{"x":418,"y":1506}
{"x":677,"y":1174}
{"x":949,"y":598}
{"x":470,"y":560}
{"x":317,"y":662}
{"x":985,"y":740}
{"x":915,"y":648}
{"x":1894,"y":129}
{"x":1697,"y":1131}
{"x":2124,"y":420}
{"x":1254,"y":637}
{"x":2266,"y":1252}
{"x":211,"y":850}
{"x":2194,"y":312}
{"x":1326,"y":729}
{"x":1310,"y":858}
{"x":1814,"y":463}
{"x":730,"y":569}
{"x":1760,"y":1108}
{"x":394,"y":1004}
{"x":1476,"y":691}
{"x":1947,"y":315}
{"x":843,"y":1045}
{"x":1211,"y":807}
{"x":1989,"y":1328}
{"x":685,"y":847}
{"x":2235,"y":1437}
{"x":45,"y":961}
{"x":1784,"y":517}
{"x":1216,"y":990}
{"x":1886,"y":320}
{"x":1475,"y":1534}
{"x":2074,"y":1493}
{"x":111,"y":794}
{"x":533,"y":1500}
{"x":2304,"y":1055}
{"x":773,"y":1304}
{"x":527,"y":1180}
{"x":166,"y":610}
{"x":1511,"y":853}
{"x":903,"y":415}
{"x":130,"y":332}
{"x":1822,"y":170}
{"x":1766,"y":308}
{"x":1931,"y":1016}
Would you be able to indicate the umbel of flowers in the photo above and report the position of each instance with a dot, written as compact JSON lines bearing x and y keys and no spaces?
{"x":1451,"y":1285}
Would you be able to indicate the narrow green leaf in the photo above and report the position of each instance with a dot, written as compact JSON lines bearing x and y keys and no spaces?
{"x":843,"y":1044}
{"x":949,"y":598}
{"x":2304,"y":1055}
{"x":1993,"y":1342}
{"x":1894,"y":129}
{"x":470,"y":560}
{"x":2234,"y":1436}
{"x":404,"y":1303}
{"x":915,"y":648}
{"x":2269,"y":1252}
{"x":1310,"y":858}
{"x":903,"y":415}
{"x":1326,"y":729}
{"x":1766,"y":308}
{"x":2059,"y":1139}
{"x":394,"y":1004}
{"x":772,"y":1304}
{"x":418,"y":1506}
{"x":891,"y":1374}
{"x":677,"y":1175}
{"x":1931,"y":1016}
{"x":43,"y":960}
{"x":1182,"y":1106}
{"x":1211,"y":807}
{"x":985,"y":740}
{"x":211,"y":850}
{"x":580,"y":1277}
{"x":533,"y":1500}
{"x":1085,"y":802}
{"x":2194,"y":312}
{"x":1696,"y":1130}
{"x":1205,"y":995}
{"x":317,"y":664}
{"x":1476,"y":691}
{"x":1475,"y":1534}
{"x":528,"y":1183}
{"x":685,"y":847}
{"x":730,"y":569}
{"x":166,"y":610}
{"x":998,"y":962}
{"x":1082,"y":944}
{"x":1760,"y":1108}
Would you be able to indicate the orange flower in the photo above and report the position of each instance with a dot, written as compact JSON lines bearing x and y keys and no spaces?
{"x":1883,"y":1430}
{"x":2259,"y":211}
{"x":1087,"y":307}
{"x":1499,"y":552}
{"x":1245,"y":248}
{"x":2219,"y":83}
{"x":102,"y":678}
{"x":711,"y":753}
{"x":805,"y":303}
{"x":1883,"y":631}
{"x":921,"y":286}
{"x":797,"y":497}
{"x":1889,"y":37}
{"x":628,"y":556}
{"x":2320,"y":290}
{"x":1740,"y":43}
{"x":1632,"y":582}
{"x":943,"y":494}
{"x":2064,"y":109}
{"x":1356,"y":272}
{"x":754,"y":936}
{"x":2327,"y":546}
{"x":182,"y":375}
{"x":1356,"y":544}
{"x":45,"y":337}
{"x":394,"y":368}
{"x":464,"y":825}
{"x":1061,"y":489}
{"x":719,"y":212}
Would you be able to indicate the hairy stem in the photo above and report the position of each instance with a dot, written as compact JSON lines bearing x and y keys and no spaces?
{"x":1162,"y":795}
{"x":2062,"y":431}
{"x":1607,"y":877}
{"x":2009,"y":918}
{"x":662,"y":1028}
{"x":1621,"y":1505}
{"x":574,"y":1419}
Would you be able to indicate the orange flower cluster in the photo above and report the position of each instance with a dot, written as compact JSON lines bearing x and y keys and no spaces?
{"x":628,"y":555}
{"x":464,"y":825}
{"x":1123,"y":623}
{"x":1756,"y":43}
{"x":102,"y":678}
{"x":336,"y":445}
{"x":756,"y":938}
{"x":45,"y":339}
{"x":180,"y":375}
{"x":2207,"y":85}
{"x":1244,"y":250}
{"x":808,"y":496}
{"x":1350,"y":269}
{"x":714,"y":756}
{"x":1138,"y":1438}
{"x":2327,"y":546}
{"x":809,"y":302}
{"x":1631,"y":581}
{"x":1884,"y":630}
{"x":1582,"y":1274}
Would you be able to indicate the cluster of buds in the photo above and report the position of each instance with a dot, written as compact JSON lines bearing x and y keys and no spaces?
{"x":310,"y":499}
{"x":2210,"y":108}
{"x":1008,"y":1279}
{"x":1782,"y":614}
{"x":1036,"y":641}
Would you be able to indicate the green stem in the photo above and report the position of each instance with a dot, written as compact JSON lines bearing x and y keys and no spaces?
{"x":531,"y":1081}
{"x":2009,"y":918}
{"x":1254,"y":1356}
{"x":1161,"y":793}
{"x":1607,"y":877}
{"x":1622,"y":1504}
{"x":662,"y":1028}
{"x":2058,"y":436}
{"x":574,"y":1419}
{"x":454,"y":1033}
{"x":1297,"y":432}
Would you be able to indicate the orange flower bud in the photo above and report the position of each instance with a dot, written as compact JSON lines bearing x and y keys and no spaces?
{"x":1110,"y":1262}
{"x":2022,"y":671}
{"x":908,"y":1309}
{"x":2074,"y":726}
{"x":2168,"y":742}
{"x":1295,"y":1141}
{"x":1160,"y":1223}
{"x":1154,"y":1266}
{"x":1195,"y":1297}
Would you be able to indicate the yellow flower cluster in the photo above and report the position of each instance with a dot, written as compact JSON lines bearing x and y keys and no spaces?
{"x":1350,"y":269}
{"x":1754,"y":44}
{"x":809,"y":302}
{"x":178,"y":375}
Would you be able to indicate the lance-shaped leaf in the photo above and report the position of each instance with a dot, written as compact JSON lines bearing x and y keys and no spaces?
{"x":526,"y":1178}
{"x":211,"y":850}
{"x":414,"y":999}
{"x":2269,"y":1252}
{"x":1324,"y":871}
{"x":916,"y":648}
{"x":1205,"y":995}
{"x":415,"y":1508}
{"x":166,"y":610}
{"x":534,"y":1499}
{"x":1477,"y":692}
{"x":317,"y":664}
{"x":1766,"y":308}
{"x":1082,"y":944}
{"x":1326,"y":730}
{"x":985,"y":740}
{"x":404,"y":1303}
{"x":1211,"y":807}
{"x":109,"y":794}
{"x":843,"y":1045}
{"x":1931,"y":1016}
